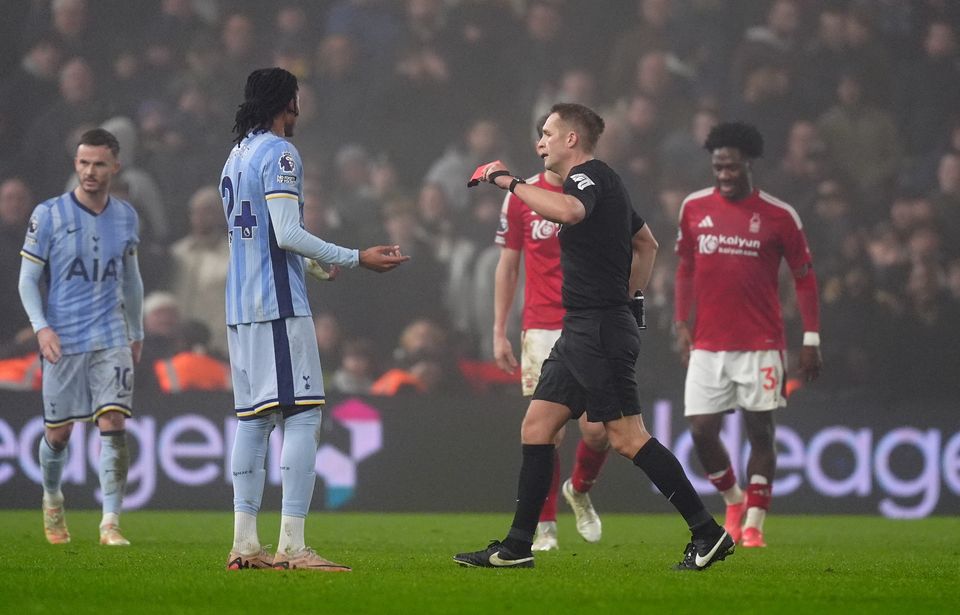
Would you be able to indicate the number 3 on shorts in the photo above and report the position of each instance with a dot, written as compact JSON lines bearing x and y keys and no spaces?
{"x":769,"y":378}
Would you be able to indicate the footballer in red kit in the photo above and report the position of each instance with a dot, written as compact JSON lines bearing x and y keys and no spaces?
{"x":730,"y":243}
{"x":524,"y":231}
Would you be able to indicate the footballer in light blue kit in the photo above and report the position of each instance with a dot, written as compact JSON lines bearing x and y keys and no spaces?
{"x":274,"y":358}
{"x":82,"y":246}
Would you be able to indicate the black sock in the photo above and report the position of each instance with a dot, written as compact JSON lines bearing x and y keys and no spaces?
{"x":532,"y":488}
{"x":667,"y":474}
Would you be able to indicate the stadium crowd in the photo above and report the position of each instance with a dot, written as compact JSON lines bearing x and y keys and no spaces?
{"x":858,"y":101}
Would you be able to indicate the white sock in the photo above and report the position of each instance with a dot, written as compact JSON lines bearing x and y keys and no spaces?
{"x":756,"y":515}
{"x":291,"y":534}
{"x":110,"y":519}
{"x":733,"y":495}
{"x":245,"y":538}
{"x":53,"y":500}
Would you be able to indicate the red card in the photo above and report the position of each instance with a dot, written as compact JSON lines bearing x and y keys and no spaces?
{"x":478,"y":174}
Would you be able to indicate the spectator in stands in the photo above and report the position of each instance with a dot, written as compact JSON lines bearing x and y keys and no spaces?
{"x":163,"y":330}
{"x":329,"y":337}
{"x":355,"y":375}
{"x":438,"y":227}
{"x":481,"y":50}
{"x":374,"y":25}
{"x":633,"y":143}
{"x":423,"y":362}
{"x":16,"y":203}
{"x":929,"y":89}
{"x":867,"y":54}
{"x":668,"y":90}
{"x":481,"y":143}
{"x":775,"y":42}
{"x":543,"y":47}
{"x":681,"y":156}
{"x":575,"y":84}
{"x":48,"y":161}
{"x":71,"y":25}
{"x":241,"y":48}
{"x":352,"y":193}
{"x":953,"y":281}
{"x":923,"y":338}
{"x":192,"y":368}
{"x":199,"y":262}
{"x":797,"y":173}
{"x":650,"y":32}
{"x":861,"y":140}
{"x":768,"y":98}
{"x":823,"y":60}
{"x":344,"y":92}
{"x":32,"y":86}
{"x":946,"y":198}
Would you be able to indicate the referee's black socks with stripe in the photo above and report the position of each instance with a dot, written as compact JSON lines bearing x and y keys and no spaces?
{"x":667,"y":474}
{"x":534,"y":484}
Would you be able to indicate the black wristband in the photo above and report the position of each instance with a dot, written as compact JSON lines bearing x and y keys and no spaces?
{"x":493,"y":176}
{"x":513,"y":184}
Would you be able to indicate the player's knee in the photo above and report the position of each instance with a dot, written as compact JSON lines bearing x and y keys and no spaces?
{"x":594,"y":435}
{"x":537,"y":431}
{"x":58,"y":437}
{"x":111,"y":421}
{"x":628,"y":444}
{"x":704,"y":431}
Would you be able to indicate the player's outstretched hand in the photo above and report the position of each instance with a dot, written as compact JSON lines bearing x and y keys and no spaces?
{"x":382,"y":258}
{"x":503,"y":354}
{"x":810,"y":362}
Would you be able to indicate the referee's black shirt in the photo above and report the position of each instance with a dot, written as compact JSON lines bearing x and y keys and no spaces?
{"x":596,"y":253}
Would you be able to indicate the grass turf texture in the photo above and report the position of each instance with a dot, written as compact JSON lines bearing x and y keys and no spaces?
{"x":402,"y":564}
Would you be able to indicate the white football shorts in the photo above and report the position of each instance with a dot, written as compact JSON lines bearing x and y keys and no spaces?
{"x":721,"y":381}
{"x":274,"y":364}
{"x":535,"y":347}
{"x":81,"y":387}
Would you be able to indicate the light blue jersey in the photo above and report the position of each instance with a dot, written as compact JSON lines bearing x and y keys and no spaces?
{"x":83,"y":257}
{"x":264,"y":282}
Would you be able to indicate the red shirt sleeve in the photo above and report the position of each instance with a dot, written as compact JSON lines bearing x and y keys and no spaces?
{"x":795,"y":248}
{"x":797,"y":254}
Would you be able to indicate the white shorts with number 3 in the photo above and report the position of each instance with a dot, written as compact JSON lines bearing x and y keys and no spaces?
{"x":721,"y":381}
{"x":536,"y":345}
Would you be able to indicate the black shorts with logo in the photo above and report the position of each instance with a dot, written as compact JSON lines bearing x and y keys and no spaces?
{"x":591,"y":367}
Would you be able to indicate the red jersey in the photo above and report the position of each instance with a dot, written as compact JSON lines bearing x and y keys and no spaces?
{"x":525,"y":230}
{"x":732,"y":250}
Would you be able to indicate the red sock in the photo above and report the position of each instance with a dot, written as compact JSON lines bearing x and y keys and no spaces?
{"x":759,"y":496}
{"x":549,"y":510}
{"x":724,"y":482}
{"x":587,"y":467}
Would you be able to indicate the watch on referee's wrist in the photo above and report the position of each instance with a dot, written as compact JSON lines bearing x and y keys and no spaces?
{"x":513,"y":184}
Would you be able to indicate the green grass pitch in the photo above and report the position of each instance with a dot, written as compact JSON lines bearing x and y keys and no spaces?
{"x":402,"y":564}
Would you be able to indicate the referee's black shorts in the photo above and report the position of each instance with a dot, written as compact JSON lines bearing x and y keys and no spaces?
{"x":591,"y":367}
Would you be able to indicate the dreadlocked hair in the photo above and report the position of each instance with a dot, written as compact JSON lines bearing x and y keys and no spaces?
{"x":267,"y":93}
{"x":737,"y":135}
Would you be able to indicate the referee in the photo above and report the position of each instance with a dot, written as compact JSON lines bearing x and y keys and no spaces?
{"x":606,"y":252}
